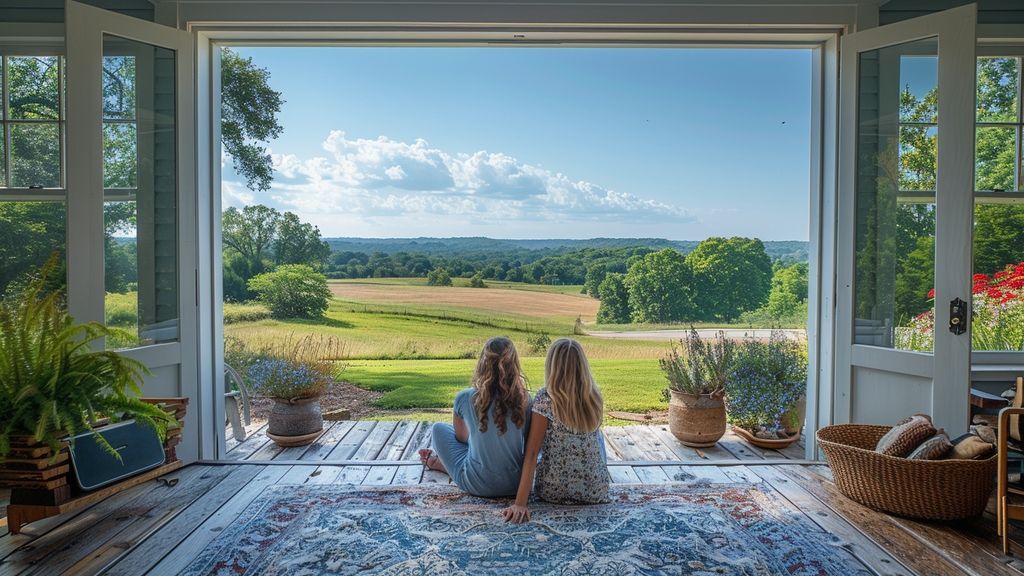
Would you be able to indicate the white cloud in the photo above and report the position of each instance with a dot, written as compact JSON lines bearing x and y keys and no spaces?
{"x":385,"y":177}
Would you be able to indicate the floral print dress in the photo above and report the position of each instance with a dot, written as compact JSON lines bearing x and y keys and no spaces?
{"x":573,"y":467}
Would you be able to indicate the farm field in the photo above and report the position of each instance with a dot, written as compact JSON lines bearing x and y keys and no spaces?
{"x":498,"y":297}
{"x":418,"y":344}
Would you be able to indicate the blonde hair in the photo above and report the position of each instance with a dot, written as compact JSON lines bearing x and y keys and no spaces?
{"x":499,"y":380}
{"x":575,"y":398}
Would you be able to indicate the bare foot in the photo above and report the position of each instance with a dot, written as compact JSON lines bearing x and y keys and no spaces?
{"x":430,"y":460}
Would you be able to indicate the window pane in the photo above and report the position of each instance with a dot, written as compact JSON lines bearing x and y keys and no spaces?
{"x":3,"y":156}
{"x":35,"y":155}
{"x":32,"y":87}
{"x":919,"y":81}
{"x":918,"y":146}
{"x":119,"y":156}
{"x":997,"y":89}
{"x":142,"y":247}
{"x":995,"y":154}
{"x":30,"y":233}
{"x":998,"y":321}
{"x":119,"y":87}
{"x":895,"y":246}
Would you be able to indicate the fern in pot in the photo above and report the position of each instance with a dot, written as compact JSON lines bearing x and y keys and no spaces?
{"x":52,"y":383}
{"x":766,"y":390}
{"x":697,"y":371}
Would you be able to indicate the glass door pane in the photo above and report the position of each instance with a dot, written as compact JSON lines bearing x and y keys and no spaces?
{"x":897,"y":142}
{"x":140,"y":191}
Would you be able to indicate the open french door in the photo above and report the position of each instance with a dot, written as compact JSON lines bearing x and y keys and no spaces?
{"x":906,"y":181}
{"x":131,"y":195}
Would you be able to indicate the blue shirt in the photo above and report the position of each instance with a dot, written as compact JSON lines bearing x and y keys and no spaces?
{"x":495,"y":460}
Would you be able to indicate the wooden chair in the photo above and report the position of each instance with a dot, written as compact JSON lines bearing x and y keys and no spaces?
{"x":236,"y":402}
{"x":1005,"y":511}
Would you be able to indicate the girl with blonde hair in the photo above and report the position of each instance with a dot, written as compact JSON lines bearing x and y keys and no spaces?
{"x":565,"y":431}
{"x":482,"y":449}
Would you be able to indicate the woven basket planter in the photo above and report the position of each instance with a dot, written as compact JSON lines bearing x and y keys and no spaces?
{"x":925,"y":489}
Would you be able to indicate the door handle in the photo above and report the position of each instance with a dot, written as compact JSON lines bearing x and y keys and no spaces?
{"x":957,"y":316}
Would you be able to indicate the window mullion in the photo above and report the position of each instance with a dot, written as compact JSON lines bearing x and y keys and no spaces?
{"x":7,"y":126}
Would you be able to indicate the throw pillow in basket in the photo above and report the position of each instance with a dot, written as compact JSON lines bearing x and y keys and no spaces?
{"x":905,"y":436}
{"x":933,"y":448}
{"x":971,"y":447}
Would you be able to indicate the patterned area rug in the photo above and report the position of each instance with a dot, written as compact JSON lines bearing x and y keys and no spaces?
{"x":692,"y":528}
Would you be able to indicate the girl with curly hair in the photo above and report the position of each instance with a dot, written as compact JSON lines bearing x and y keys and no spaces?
{"x":482,"y":449}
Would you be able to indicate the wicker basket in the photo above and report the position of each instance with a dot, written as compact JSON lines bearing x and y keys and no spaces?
{"x":927,"y":489}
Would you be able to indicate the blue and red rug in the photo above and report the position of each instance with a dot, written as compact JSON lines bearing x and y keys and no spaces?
{"x":688,"y":528}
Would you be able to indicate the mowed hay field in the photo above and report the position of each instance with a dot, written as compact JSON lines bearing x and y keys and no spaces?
{"x":500,"y":298}
{"x":418,"y":343}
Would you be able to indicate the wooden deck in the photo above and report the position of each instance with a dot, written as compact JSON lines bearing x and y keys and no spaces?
{"x":158,"y":528}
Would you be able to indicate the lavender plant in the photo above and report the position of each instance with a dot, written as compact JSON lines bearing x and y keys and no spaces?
{"x":290,"y":370}
{"x":696,"y":366}
{"x":766,"y":379}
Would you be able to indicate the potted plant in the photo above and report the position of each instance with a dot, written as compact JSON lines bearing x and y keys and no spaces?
{"x":294,"y":377}
{"x":767,"y":382}
{"x":697,"y":372}
{"x":54,"y":385}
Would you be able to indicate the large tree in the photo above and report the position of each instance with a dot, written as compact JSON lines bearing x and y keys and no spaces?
{"x":660,"y":288}
{"x":614,"y":297}
{"x":299,"y":242}
{"x":250,"y":231}
{"x":731,"y":275}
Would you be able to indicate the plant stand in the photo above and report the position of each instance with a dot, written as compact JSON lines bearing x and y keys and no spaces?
{"x":41,"y":488}
{"x":18,"y":515}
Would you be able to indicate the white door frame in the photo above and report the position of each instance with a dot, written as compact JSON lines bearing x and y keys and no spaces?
{"x":948,"y":367}
{"x":85,"y":27}
{"x":822,"y":42}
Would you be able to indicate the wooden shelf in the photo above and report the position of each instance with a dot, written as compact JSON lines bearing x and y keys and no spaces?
{"x":18,"y":515}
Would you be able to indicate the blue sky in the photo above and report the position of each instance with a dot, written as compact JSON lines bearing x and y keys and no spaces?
{"x":540,"y":142}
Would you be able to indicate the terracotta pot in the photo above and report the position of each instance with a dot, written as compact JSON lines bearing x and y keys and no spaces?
{"x":697,"y":420}
{"x":295,"y":422}
{"x":763,"y":442}
{"x":793,"y":419}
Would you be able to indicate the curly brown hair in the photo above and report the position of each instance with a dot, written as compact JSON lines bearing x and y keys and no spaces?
{"x":499,"y":381}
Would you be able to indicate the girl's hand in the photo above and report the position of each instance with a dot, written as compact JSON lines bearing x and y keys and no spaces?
{"x":516,"y":514}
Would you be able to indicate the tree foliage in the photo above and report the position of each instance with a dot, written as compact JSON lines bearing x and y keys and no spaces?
{"x":292,"y":291}
{"x":730,"y":275}
{"x":439,"y":277}
{"x":614,"y":297}
{"x":789,"y":290}
{"x":249,"y":109}
{"x":660,"y":288}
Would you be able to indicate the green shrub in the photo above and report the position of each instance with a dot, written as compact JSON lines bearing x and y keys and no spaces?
{"x":293,"y":291}
{"x":539,"y":343}
{"x":477,"y":281}
{"x":249,"y":312}
{"x":439,"y":277}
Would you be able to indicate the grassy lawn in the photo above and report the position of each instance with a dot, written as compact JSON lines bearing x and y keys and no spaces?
{"x":627,"y":385}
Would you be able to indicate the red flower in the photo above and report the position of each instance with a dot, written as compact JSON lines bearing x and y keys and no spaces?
{"x":931,"y":293}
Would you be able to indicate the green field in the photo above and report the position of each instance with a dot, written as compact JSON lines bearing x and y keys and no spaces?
{"x":419,"y":354}
{"x":628,"y":385}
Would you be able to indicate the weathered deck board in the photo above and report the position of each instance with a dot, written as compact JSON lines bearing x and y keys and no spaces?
{"x":879,"y":527}
{"x":159,"y":529}
{"x":854,"y":540}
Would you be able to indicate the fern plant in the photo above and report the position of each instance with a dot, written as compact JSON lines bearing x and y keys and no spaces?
{"x":52,"y":383}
